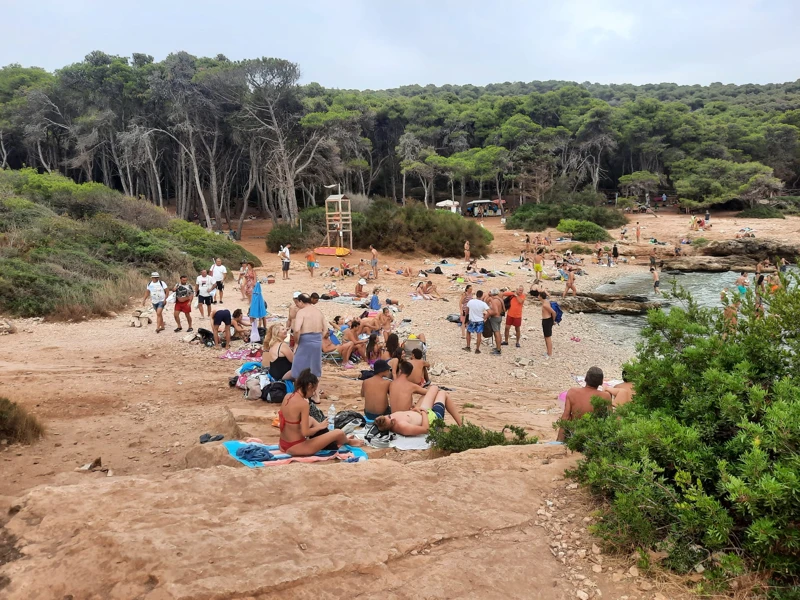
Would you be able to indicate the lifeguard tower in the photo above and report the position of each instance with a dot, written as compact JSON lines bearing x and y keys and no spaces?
{"x":339,"y":222}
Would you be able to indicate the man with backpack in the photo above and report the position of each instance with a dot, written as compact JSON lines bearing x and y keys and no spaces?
{"x":514,"y":301}
{"x":183,"y":303}
{"x":548,"y":320}
{"x":157,"y":292}
{"x":496,"y":312}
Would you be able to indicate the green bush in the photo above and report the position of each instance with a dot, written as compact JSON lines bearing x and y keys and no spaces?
{"x":761,"y":212}
{"x":580,"y":249}
{"x":538,"y":217}
{"x":280,"y":235}
{"x":458,"y":438}
{"x":699,"y":242}
{"x":706,"y":458}
{"x":583,"y":231}
{"x":17,"y":426}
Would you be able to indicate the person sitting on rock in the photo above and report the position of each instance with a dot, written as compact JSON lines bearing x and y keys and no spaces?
{"x":579,"y":399}
{"x":419,"y":420}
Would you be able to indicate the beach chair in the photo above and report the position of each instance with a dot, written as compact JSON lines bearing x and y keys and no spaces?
{"x":334,"y":356}
{"x":409,"y":346}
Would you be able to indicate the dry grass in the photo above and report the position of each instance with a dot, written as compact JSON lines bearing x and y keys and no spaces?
{"x":17,"y":425}
{"x":110,"y":295}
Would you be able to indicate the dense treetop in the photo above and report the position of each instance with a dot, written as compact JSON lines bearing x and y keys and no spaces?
{"x":201,"y":133}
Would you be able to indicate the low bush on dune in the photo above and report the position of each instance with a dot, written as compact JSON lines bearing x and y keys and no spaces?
{"x":388,"y":226}
{"x":17,"y":426}
{"x":704,"y":463}
{"x":538,"y":217}
{"x":761,"y":212}
{"x":458,"y":438}
{"x":583,"y":231}
{"x":69,"y":250}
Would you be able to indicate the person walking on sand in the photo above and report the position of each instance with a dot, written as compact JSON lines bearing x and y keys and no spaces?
{"x":638,"y":232}
{"x":477,"y":310}
{"x":466,"y":251}
{"x":218,"y":272}
{"x":514,"y":312}
{"x":570,"y":283}
{"x":311,"y":262}
{"x":183,"y":303}
{"x":538,"y":264}
{"x":241,"y":280}
{"x":656,"y":281}
{"x":286,"y":260}
{"x":204,"y":284}
{"x":374,"y":261}
{"x":157,"y":291}
{"x":548,"y":320}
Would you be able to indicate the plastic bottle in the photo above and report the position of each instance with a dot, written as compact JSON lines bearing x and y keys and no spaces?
{"x":331,"y":417}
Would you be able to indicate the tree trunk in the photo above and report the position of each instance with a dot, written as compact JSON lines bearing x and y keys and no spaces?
{"x":404,"y":189}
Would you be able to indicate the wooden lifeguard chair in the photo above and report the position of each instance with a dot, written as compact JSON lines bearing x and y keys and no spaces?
{"x":338,"y":221}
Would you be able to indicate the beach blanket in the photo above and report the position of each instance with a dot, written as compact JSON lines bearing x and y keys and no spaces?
{"x":414,"y":442}
{"x":242,"y":354}
{"x":308,"y":354}
{"x":350,"y":454}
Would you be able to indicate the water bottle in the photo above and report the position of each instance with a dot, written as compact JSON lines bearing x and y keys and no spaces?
{"x":331,"y":417}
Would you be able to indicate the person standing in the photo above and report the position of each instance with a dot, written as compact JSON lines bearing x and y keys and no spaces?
{"x":708,"y":215}
{"x":309,"y":325}
{"x":311,"y":262}
{"x":286,"y":261}
{"x":664,"y":198}
{"x":495,"y":314}
{"x":465,"y":298}
{"x":548,"y":320}
{"x":538,"y":260}
{"x":218,"y":272}
{"x":570,"y":283}
{"x":374,"y":261}
{"x":514,"y":313}
{"x":183,"y":303}
{"x":656,"y":281}
{"x":249,"y":281}
{"x":653,"y":257}
{"x":204,"y":284}
{"x":615,"y":252}
{"x":466,"y":251}
{"x":477,"y":310}
{"x":241,"y":281}
{"x":638,"y":232}
{"x":157,"y":291}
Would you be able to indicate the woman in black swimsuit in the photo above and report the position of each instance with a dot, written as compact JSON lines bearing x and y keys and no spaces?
{"x":278,"y":353}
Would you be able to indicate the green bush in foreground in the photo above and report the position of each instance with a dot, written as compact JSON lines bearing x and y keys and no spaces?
{"x":705,"y":462}
{"x":761,"y":212}
{"x":583,"y":231}
{"x":17,"y":426}
{"x":538,"y":217}
{"x":458,"y":438}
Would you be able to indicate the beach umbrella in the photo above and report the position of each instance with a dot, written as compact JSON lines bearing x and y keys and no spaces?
{"x":257,"y":311}
{"x":446,"y":204}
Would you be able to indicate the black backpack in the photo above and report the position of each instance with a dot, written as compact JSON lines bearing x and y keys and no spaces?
{"x":274,"y":393}
{"x":206,"y":337}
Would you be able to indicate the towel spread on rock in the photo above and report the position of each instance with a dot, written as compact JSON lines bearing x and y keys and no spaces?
{"x":345,"y":454}
{"x":308,"y":354}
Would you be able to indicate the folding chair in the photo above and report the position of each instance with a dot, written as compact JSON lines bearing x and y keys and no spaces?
{"x":409,"y":345}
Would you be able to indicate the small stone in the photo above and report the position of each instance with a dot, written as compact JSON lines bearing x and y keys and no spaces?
{"x":581,"y":553}
{"x":166,"y":465}
{"x":634,"y":571}
{"x":597,"y":568}
{"x":699,"y":568}
{"x":303,"y":547}
{"x":596,"y":549}
{"x":582,"y":594}
{"x":645,"y":586}
{"x":616,"y":577}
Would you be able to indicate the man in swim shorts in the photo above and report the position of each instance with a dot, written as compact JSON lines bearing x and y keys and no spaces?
{"x":656,"y":280}
{"x":538,"y":259}
{"x":223,"y":318}
{"x":374,"y":261}
{"x":418,"y":421}
{"x":548,"y":320}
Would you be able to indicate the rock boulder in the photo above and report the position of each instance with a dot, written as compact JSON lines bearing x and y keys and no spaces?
{"x":754,"y":248}
{"x":710,"y":264}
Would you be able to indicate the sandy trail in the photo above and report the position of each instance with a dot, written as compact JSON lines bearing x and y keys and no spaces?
{"x":140,"y":401}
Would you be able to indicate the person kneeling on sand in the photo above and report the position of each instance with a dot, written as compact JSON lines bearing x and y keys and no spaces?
{"x":418,"y":421}
{"x":223,"y":317}
{"x":579,"y":399}
{"x":300,"y":434}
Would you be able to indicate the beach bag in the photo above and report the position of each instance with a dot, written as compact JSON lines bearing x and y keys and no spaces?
{"x":507,"y":303}
{"x":252,"y":390}
{"x":454,"y":318}
{"x":438,"y":271}
{"x":346,"y":416}
{"x":275,"y":392}
{"x":206,"y":337}
{"x":559,"y":313}
{"x":315,"y":413}
{"x":487,"y":329}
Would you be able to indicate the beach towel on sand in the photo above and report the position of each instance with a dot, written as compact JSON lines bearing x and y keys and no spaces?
{"x":308,"y":354}
{"x":350,"y":454}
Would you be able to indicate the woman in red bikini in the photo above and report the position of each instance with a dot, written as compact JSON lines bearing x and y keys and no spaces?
{"x":297,"y":427}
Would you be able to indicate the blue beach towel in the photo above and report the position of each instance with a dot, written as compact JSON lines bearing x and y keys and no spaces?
{"x":233,"y":447}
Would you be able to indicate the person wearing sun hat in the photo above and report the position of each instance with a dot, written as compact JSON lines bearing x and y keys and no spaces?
{"x":375,"y":391}
{"x":360,"y":291}
{"x":157,"y":292}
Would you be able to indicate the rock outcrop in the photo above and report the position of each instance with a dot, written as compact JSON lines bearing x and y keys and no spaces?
{"x":710,"y":264}
{"x":303,"y":531}
{"x":610,"y":304}
{"x":7,"y":327}
{"x":754,"y":248}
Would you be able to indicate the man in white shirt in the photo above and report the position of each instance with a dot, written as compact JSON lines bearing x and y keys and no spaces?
{"x":204,"y":284}
{"x":218,"y":272}
{"x":285,"y":260}
{"x":157,"y":291}
{"x":477,"y":310}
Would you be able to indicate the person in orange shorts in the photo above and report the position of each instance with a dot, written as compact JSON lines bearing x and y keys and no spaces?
{"x":514,"y":312}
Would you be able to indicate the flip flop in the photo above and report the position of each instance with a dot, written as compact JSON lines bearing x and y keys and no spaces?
{"x":178,"y":329}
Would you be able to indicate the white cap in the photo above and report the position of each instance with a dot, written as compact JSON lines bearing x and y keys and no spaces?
{"x":297,"y":295}
{"x":362,"y":281}
{"x":155,"y":274}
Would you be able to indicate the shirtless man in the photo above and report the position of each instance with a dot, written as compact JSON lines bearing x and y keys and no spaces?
{"x":385,"y":320}
{"x":374,"y":261}
{"x":570,"y":283}
{"x":742,"y":283}
{"x":623,"y":392}
{"x":420,"y":373}
{"x":295,"y":306}
{"x":495,"y":314}
{"x":548,"y":320}
{"x":345,"y":349}
{"x":369,"y":325}
{"x":351,"y":335}
{"x":579,"y":399}
{"x":402,"y":389}
{"x":375,"y":391}
{"x":656,"y":280}
{"x":417,"y":422}
{"x":538,"y":260}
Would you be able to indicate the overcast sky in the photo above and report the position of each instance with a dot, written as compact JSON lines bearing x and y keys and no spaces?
{"x":383,"y":43}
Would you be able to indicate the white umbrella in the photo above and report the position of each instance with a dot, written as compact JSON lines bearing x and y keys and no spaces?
{"x":446,"y":203}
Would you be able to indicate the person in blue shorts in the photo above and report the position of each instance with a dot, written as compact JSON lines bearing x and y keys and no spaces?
{"x":419,"y":420}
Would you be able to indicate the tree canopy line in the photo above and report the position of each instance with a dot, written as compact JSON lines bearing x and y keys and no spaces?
{"x":212,"y":136}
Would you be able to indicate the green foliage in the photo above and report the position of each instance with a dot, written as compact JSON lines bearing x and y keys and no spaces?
{"x":580,"y":249}
{"x":707,"y":455}
{"x":714,"y":181}
{"x":761,"y":212}
{"x":84,"y":258}
{"x":699,"y":242}
{"x":639,"y":183}
{"x":17,"y":426}
{"x":538,"y":217}
{"x":583,"y":231}
{"x":458,"y":438}
{"x":280,"y":235}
